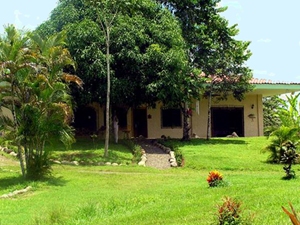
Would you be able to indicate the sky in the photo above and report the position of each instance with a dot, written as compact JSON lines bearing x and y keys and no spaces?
{"x":271,"y":27}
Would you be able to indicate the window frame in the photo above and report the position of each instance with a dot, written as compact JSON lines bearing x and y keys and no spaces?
{"x":171,"y":115}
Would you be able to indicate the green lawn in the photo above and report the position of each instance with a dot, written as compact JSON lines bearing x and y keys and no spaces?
{"x":130,"y":194}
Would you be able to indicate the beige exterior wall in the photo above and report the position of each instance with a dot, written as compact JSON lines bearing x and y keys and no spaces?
{"x":155,"y":129}
{"x":252,"y":126}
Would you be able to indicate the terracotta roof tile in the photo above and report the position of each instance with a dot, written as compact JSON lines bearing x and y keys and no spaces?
{"x":252,"y":81}
{"x":264,"y":81}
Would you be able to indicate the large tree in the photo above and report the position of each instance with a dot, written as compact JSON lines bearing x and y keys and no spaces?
{"x":139,"y":32}
{"x":148,"y":54}
{"x":213,"y":48}
{"x":35,"y":90}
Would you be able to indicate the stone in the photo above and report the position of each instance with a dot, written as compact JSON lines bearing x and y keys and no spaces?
{"x":115,"y":164}
{"x":142,"y":163}
{"x":172,"y":160}
{"x":56,"y":162}
{"x":174,"y":164}
{"x":76,"y":163}
{"x":108,"y":163}
{"x":13,"y":154}
{"x":172,"y":154}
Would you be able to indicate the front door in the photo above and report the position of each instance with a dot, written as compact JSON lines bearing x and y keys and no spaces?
{"x":140,"y":122}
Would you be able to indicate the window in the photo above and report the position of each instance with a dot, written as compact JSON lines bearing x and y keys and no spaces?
{"x":171,"y":118}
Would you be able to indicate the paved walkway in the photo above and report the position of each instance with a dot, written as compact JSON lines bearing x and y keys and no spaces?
{"x":156,"y":157}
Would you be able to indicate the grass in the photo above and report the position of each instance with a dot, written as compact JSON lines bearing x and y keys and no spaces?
{"x":130,"y":194}
{"x":88,"y":151}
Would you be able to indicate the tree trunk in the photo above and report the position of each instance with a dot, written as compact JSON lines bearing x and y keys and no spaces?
{"x":15,"y":122}
{"x":22,"y":165}
{"x":108,"y":91}
{"x":208,"y":135}
{"x":186,"y":123}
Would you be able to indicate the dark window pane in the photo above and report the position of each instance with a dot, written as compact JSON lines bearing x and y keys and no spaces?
{"x":171,"y":118}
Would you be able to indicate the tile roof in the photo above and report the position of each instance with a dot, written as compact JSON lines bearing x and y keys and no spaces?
{"x":252,"y":81}
{"x":264,"y":81}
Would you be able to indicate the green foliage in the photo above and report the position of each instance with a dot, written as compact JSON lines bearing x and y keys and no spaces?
{"x":229,"y":213}
{"x":179,"y":157}
{"x":146,"y":49}
{"x":289,"y":112}
{"x":271,"y":107}
{"x":281,"y":112}
{"x":289,"y":157}
{"x":35,"y":96}
{"x":279,"y":138}
{"x":134,"y":148}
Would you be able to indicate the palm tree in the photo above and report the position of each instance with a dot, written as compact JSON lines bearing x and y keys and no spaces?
{"x":42,"y":107}
{"x":13,"y":67}
{"x":279,"y":138}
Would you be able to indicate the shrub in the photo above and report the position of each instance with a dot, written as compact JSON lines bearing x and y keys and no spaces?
{"x":179,"y":157}
{"x":289,"y":157}
{"x":215,"y":179}
{"x":278,"y":139}
{"x":136,"y":150}
{"x":229,"y":212}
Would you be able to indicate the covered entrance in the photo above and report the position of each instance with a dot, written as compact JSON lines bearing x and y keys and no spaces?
{"x":140,"y":122}
{"x":85,"y":120}
{"x":226,"y":120}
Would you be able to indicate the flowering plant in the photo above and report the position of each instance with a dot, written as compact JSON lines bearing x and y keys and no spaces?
{"x":215,"y":178}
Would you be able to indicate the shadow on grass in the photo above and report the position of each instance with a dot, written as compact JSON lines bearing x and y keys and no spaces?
{"x":19,"y":181}
{"x":213,"y":141}
{"x":56,"y":181}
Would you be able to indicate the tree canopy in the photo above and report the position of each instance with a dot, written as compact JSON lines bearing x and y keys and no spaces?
{"x":158,"y":51}
{"x":146,"y":47}
{"x":212,"y":45}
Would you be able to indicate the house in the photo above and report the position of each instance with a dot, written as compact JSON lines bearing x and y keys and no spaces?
{"x":245,"y":117}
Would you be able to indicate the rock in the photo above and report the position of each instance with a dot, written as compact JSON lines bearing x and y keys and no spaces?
{"x":16,"y":192}
{"x":56,"y":162}
{"x":142,"y":163}
{"x":5,"y":149}
{"x":4,"y":196}
{"x":108,"y":163}
{"x":76,"y":163}
{"x":13,"y":154}
{"x":115,"y":164}
{"x":73,"y":163}
{"x":174,"y":164}
{"x":172,"y":154}
{"x":171,"y":160}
